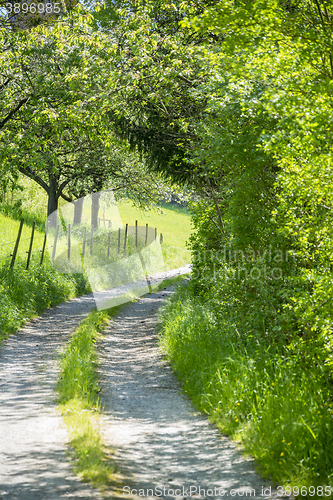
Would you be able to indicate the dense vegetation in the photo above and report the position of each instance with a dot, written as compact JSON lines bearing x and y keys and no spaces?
{"x":271,"y":397}
{"x":252,"y":336}
{"x":234,"y":99}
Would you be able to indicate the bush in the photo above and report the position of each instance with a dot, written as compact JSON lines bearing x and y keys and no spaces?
{"x":25,"y":294}
{"x":270,"y":398}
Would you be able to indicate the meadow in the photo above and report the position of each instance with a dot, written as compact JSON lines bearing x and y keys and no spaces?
{"x":26,"y":293}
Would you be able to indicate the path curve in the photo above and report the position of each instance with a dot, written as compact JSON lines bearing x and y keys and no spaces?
{"x":33,"y":459}
{"x":160,"y":441}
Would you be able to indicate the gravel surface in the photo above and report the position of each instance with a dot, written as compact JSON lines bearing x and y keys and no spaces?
{"x":160,"y":441}
{"x":33,"y":460}
{"x":33,"y":452}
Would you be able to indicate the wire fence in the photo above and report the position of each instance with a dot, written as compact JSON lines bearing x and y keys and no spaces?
{"x":19,"y":240}
{"x":70,"y":242}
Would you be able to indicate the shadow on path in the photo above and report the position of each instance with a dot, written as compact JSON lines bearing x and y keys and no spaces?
{"x":33,"y":460}
{"x":160,"y":440}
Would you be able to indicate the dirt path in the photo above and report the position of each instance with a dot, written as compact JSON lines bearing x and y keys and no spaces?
{"x":160,"y":441}
{"x":33,"y":460}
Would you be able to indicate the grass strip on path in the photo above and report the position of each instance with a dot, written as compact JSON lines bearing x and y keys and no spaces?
{"x":79,"y":403}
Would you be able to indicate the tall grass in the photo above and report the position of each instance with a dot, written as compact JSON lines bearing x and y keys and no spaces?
{"x":79,"y":403}
{"x":25,"y":294}
{"x":280,"y":410}
{"x":9,"y":226}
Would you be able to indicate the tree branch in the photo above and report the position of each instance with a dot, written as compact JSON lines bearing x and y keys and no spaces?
{"x":13,"y":111}
{"x":62,"y":186}
{"x":66,"y":198}
{"x":29,"y":173}
{"x":5,"y":84}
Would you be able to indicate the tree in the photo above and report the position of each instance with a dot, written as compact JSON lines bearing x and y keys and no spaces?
{"x":268,"y":146}
{"x":51,"y":129}
{"x":157,"y":105}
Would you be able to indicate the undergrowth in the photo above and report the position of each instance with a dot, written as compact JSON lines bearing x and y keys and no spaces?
{"x":79,"y":403}
{"x":26,"y":293}
{"x":260,"y":394}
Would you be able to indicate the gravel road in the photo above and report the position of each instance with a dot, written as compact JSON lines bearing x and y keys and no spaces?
{"x":162,"y":444}
{"x":161,"y":441}
{"x":33,"y":459}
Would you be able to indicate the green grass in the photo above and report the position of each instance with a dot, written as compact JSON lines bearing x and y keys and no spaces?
{"x":79,"y":403}
{"x":279,"y":410}
{"x":9,"y":227}
{"x":26,"y":293}
{"x":171,"y":282}
{"x":174,"y":223}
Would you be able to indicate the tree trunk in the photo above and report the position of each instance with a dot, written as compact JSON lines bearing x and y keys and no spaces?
{"x":94,"y":209}
{"x":78,"y":205}
{"x":52,"y":205}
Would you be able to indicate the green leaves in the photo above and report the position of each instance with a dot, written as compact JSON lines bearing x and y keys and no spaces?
{"x":265,"y":143}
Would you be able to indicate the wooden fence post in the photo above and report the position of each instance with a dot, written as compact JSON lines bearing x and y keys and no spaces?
{"x":125,"y":239}
{"x":84,"y":241}
{"x":161,"y":238}
{"x":31,"y":242}
{"x":17,"y":244}
{"x":119,"y":231}
{"x":44,"y":243}
{"x":69,"y":243}
{"x":109,"y":242}
{"x":55,"y":243}
{"x":146,"y":240}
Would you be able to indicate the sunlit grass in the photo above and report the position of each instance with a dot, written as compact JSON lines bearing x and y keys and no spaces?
{"x":93,"y":462}
{"x":174,"y":221}
{"x":79,"y":403}
{"x":171,"y":282}
{"x":25,"y":294}
{"x":279,"y":410}
{"x":9,"y":228}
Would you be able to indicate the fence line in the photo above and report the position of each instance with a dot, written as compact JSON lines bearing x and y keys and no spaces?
{"x":70,"y":233}
{"x":31,"y":243}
